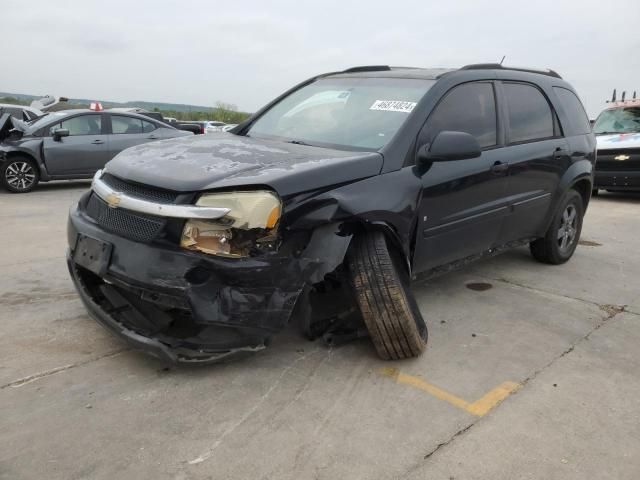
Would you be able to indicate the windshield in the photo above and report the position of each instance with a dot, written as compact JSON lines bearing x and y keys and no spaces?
{"x":349,"y":113}
{"x":618,"y":120}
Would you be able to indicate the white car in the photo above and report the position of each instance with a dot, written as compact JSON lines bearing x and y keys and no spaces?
{"x":617,"y":131}
{"x":214,"y":126}
{"x":229,"y":126}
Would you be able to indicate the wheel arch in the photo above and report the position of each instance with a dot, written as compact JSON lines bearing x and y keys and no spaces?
{"x":579,"y":176}
{"x":359,"y":227}
{"x":34,"y":154}
{"x":584,"y":187}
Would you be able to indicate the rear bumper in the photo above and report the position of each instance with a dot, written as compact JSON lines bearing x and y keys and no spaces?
{"x":183,"y":306}
{"x":617,"y":180}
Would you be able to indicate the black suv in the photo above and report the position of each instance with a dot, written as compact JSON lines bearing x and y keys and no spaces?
{"x":357,"y":181}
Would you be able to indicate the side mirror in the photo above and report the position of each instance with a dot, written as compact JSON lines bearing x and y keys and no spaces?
{"x":58,"y":133}
{"x":449,"y":146}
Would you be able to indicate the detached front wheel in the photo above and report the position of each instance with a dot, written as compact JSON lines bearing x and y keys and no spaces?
{"x":19,"y":175}
{"x":381,"y":283}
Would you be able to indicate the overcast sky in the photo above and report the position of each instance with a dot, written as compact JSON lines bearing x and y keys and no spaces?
{"x":247,"y":52}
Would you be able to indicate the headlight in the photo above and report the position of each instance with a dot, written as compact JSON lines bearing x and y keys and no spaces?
{"x":251,"y":222}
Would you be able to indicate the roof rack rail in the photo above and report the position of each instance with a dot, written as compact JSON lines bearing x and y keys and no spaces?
{"x":367,"y":68}
{"x":498,"y":66}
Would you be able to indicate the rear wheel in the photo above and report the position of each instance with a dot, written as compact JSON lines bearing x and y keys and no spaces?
{"x":19,"y":175}
{"x":561,"y":239}
{"x":381,"y":284}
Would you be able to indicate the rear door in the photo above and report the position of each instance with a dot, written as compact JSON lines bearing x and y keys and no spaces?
{"x":128,"y":131}
{"x":83,"y":152}
{"x":463,"y":202}
{"x":538,"y":156}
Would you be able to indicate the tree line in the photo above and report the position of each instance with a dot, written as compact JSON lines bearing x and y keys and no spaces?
{"x":222,"y":112}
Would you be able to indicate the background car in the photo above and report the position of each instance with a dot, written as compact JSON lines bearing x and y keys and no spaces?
{"x":201,"y":124}
{"x":617,"y":130}
{"x":20,"y":112}
{"x":214,"y":126}
{"x":186,"y":126}
{"x":70,"y":144}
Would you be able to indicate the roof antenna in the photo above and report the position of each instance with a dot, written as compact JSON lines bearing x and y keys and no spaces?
{"x":613,"y":97}
{"x":503,"y":57}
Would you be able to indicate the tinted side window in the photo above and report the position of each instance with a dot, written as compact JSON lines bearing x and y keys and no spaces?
{"x":82,"y":125}
{"x":127,"y":125}
{"x":578,"y":119}
{"x":530,"y":117}
{"x":469,"y":108}
{"x":148,"y":126}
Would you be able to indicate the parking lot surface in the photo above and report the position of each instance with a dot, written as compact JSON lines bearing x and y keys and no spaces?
{"x":531,"y":372}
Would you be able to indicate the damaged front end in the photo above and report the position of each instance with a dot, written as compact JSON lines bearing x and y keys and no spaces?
{"x":11,"y":128}
{"x":193,"y":280}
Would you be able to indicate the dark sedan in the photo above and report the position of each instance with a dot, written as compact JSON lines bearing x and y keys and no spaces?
{"x":72,"y":144}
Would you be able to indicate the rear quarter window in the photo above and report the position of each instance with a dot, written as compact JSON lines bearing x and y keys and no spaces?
{"x":578,"y":121}
{"x":530,"y":116}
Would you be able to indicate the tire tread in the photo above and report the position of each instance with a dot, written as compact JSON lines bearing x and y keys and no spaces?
{"x":383,"y":299}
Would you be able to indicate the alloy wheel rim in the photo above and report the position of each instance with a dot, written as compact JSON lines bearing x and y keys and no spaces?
{"x":20,"y":175}
{"x":568,"y":230}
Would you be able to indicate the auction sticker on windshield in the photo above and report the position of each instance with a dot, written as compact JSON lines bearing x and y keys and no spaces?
{"x":393,"y":106}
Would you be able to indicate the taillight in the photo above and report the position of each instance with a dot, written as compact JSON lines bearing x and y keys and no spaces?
{"x":202,"y":129}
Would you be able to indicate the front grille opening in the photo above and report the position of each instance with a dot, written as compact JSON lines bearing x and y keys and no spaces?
{"x":140,"y":191}
{"x":134,"y":226}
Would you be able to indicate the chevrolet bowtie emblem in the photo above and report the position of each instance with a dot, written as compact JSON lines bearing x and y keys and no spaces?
{"x":622,"y":157}
{"x":113,"y":200}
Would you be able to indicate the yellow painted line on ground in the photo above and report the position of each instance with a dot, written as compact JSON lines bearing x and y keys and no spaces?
{"x":483,"y":405}
{"x":480,"y":407}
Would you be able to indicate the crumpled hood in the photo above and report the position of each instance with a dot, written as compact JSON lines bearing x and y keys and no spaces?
{"x":618,"y":141}
{"x":219,"y":160}
{"x":9,"y":124}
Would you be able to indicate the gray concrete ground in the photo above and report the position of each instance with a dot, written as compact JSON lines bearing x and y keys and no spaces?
{"x":552,"y":342}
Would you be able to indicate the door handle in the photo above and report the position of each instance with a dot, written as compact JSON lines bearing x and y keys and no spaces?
{"x":152,"y":137}
{"x":559,"y":153}
{"x":98,"y":142}
{"x":499,"y":168}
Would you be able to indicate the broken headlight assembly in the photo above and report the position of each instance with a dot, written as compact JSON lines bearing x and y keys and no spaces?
{"x":249,"y":227}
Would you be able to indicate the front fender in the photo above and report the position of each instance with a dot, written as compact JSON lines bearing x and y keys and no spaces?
{"x":31,"y":148}
{"x":385,"y":202}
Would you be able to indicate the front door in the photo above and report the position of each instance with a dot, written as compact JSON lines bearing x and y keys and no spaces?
{"x":463,"y":202}
{"x":83,"y":152}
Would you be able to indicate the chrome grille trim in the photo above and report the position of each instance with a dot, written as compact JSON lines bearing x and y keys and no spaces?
{"x":116,"y":199}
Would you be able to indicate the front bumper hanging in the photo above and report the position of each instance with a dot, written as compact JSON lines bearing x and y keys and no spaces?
{"x":189,"y":307}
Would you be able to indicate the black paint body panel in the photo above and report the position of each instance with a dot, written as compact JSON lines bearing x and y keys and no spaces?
{"x":437,"y":214}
